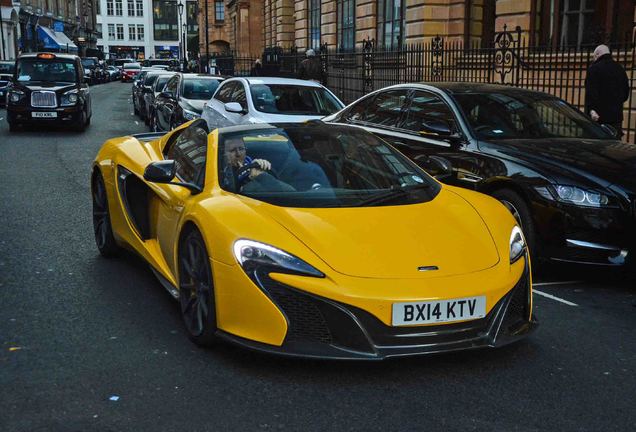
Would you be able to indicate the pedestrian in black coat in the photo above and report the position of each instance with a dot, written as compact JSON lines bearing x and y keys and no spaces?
{"x":606,"y":89}
{"x":310,"y":68}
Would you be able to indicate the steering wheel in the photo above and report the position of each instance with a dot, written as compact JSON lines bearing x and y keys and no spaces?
{"x":246,"y":168}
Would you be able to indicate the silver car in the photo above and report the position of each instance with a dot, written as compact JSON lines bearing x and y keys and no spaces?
{"x":268,"y":100}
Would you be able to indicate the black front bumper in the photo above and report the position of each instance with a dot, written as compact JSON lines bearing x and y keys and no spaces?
{"x":65,"y":115}
{"x":322,"y":328}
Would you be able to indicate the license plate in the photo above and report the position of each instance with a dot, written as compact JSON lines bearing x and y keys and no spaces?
{"x":440,"y":311}
{"x":44,"y":114}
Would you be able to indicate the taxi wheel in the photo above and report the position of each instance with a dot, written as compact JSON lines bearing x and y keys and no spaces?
{"x":13,"y":126}
{"x":83,"y":123}
{"x":104,"y":238}
{"x":196,"y":289}
{"x":521,"y":212}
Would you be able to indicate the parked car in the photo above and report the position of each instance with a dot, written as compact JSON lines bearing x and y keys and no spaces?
{"x":49,"y":88}
{"x":339,"y":248}
{"x":143,"y":85}
{"x":171,"y":64}
{"x":182,"y":100}
{"x":6,"y":74}
{"x":268,"y":100}
{"x":150,"y":96}
{"x":570,"y":184}
{"x":113,"y":72}
{"x":130,"y":71}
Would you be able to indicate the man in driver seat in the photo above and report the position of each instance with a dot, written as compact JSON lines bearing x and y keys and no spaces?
{"x":237,"y":175}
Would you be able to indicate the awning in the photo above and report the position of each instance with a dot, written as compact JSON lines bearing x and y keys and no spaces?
{"x":55,"y":40}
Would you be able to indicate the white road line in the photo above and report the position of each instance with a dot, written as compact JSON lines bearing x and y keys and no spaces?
{"x":550,"y":296}
{"x":555,"y":283}
{"x":136,"y":122}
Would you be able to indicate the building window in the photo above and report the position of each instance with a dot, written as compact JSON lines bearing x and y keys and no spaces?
{"x":314,"y":24}
{"x":219,"y":11}
{"x":120,"y":32}
{"x":109,"y":8}
{"x":576,"y":22}
{"x":390,"y":23}
{"x":98,"y":8}
{"x":131,"y":7}
{"x":119,"y":8}
{"x":140,"y":32}
{"x":111,"y":31}
{"x":132,"y":32}
{"x":165,"y":25}
{"x":192,"y":13}
{"x":140,"y":8}
{"x":346,"y":24}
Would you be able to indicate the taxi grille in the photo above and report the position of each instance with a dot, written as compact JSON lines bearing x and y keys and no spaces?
{"x":43,"y":99}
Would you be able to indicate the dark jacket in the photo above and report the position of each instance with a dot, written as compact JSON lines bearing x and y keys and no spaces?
{"x":606,"y":89}
{"x":310,"y":69}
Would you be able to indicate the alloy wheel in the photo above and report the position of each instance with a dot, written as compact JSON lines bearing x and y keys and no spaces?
{"x":196,"y":291}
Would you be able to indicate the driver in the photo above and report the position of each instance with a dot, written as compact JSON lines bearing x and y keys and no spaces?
{"x":236,"y":157}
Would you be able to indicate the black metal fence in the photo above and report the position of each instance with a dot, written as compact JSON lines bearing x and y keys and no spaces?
{"x":509,"y":60}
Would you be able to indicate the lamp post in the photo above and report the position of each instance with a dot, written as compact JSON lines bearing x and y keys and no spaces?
{"x":180,"y":6}
{"x":185,"y":43}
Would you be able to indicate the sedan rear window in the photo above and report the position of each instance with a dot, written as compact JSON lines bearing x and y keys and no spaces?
{"x":293,"y":100}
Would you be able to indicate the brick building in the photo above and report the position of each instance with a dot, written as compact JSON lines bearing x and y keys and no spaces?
{"x":345,"y":23}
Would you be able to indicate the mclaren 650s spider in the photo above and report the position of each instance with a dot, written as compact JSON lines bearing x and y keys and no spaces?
{"x":313,"y":240}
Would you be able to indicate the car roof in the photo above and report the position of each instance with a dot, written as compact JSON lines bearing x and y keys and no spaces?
{"x":35,"y":55}
{"x":280,"y":81}
{"x":466,"y":88}
{"x":196,"y":75}
{"x":262,"y":126}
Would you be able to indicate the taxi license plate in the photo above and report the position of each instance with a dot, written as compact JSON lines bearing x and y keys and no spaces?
{"x":44,"y":114}
{"x":441,"y":311}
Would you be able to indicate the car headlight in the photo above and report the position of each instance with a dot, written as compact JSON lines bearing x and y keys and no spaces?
{"x":190,"y":115}
{"x":517,"y":245}
{"x":15,"y":95}
{"x":575,"y":195}
{"x":252,"y":255}
{"x":69,"y":98}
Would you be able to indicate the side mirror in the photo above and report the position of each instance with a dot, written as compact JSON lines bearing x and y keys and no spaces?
{"x":164,"y":172}
{"x":436,"y":166}
{"x":437,"y":127}
{"x":166,"y":94}
{"x":234,"y":107}
{"x":161,"y":171}
{"x":610,"y":130}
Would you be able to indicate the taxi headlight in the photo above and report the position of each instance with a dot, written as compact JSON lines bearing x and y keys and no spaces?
{"x":517,"y":245}
{"x":69,"y":98}
{"x":252,"y":256}
{"x":15,"y":95}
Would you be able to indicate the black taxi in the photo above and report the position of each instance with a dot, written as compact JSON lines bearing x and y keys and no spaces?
{"x":48,"y":88}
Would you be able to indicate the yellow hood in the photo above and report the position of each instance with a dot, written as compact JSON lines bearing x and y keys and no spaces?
{"x":393,"y":241}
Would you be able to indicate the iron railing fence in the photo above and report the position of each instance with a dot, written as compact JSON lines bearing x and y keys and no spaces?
{"x":510,"y":60}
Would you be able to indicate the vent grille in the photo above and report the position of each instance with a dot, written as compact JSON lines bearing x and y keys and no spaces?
{"x":43,"y":99}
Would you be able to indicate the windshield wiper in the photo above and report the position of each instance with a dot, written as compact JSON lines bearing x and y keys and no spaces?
{"x":392,"y":193}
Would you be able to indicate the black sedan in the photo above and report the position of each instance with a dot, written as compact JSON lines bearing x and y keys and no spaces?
{"x":141,"y":87}
{"x":183,"y":99}
{"x":567,"y":180}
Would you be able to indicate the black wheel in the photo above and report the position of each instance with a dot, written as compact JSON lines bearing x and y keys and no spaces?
{"x":13,"y":127}
{"x":135,"y":109}
{"x":153,"y":123}
{"x":102,"y":227}
{"x":521,"y":212}
{"x":196,"y":290}
{"x":83,"y":122}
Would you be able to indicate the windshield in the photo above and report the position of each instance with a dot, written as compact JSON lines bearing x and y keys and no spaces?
{"x":155,"y":62}
{"x":320,"y":166}
{"x":89,"y":63}
{"x":293,"y":100}
{"x":521,"y":115}
{"x":132,"y":66}
{"x":161,"y":82}
{"x":150,"y":79}
{"x":199,"y":88}
{"x":55,"y":70}
{"x":7,"y":68}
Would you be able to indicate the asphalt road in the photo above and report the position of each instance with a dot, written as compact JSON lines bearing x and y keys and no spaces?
{"x":78,"y":331}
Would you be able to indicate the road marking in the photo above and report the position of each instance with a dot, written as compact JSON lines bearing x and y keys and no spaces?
{"x":555,"y":283}
{"x":550,"y":296}
{"x":136,"y":122}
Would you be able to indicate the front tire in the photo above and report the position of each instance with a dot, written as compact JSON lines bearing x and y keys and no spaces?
{"x":104,"y":238}
{"x":521,"y":212}
{"x":196,"y":289}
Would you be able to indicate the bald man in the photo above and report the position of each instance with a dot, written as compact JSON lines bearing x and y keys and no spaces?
{"x":606,"y":89}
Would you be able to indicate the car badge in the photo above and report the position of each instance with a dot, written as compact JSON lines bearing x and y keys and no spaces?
{"x":427,"y":268}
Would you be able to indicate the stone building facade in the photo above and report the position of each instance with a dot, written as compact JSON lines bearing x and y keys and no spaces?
{"x":345,"y":23}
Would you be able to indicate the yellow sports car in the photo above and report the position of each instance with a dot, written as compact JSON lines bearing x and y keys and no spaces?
{"x":313,"y":240}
